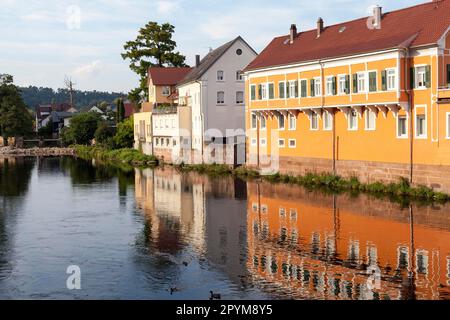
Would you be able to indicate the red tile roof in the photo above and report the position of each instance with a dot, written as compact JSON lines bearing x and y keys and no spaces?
{"x":167,"y":76}
{"x":415,"y":26}
{"x":130,"y":109}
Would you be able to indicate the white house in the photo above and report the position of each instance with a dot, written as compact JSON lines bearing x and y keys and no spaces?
{"x":215,"y":92}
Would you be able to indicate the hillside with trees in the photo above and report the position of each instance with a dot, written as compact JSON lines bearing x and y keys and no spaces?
{"x":34,"y":96}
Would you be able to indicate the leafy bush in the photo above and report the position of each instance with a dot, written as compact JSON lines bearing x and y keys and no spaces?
{"x":82,"y":128}
{"x":124,"y":137}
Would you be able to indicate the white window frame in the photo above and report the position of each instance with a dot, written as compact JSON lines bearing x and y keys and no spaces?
{"x":300,"y":88}
{"x":256,"y":92}
{"x":268,"y":91}
{"x":263,"y":142}
{"x":243,"y":97}
{"x":295,"y":143}
{"x":254,"y":142}
{"x":425,"y":135}
{"x":222,"y":102}
{"x":239,"y":76}
{"x":284,"y":122}
{"x":326,"y":115}
{"x":329,"y":86}
{"x":255,"y":126}
{"x":262,"y":120}
{"x":292,"y":89}
{"x":365,"y":89}
{"x":311,"y":117}
{"x":294,"y":127}
{"x":264,"y":91}
{"x":342,"y":88}
{"x":366,"y":120}
{"x":388,"y":76}
{"x":317,"y":87}
{"x":281,"y":143}
{"x":220,"y":75}
{"x":349,"y":116}
{"x":416,"y":76}
{"x":284,"y":93}
{"x":403,"y":136}
{"x":166,"y":91}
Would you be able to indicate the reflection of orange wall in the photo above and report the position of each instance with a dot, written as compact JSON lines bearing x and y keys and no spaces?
{"x":347,"y":225}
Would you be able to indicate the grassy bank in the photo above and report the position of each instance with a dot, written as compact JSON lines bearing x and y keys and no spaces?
{"x":129,"y":157}
{"x":399,"y":192}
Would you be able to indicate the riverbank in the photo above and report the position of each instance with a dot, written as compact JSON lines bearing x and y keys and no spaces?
{"x":401,"y":192}
{"x":36,"y":152}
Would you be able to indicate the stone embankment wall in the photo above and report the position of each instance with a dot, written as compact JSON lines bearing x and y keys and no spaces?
{"x":39,"y":152}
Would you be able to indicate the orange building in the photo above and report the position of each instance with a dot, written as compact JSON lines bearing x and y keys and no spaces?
{"x":317,"y":246}
{"x":368,"y":97}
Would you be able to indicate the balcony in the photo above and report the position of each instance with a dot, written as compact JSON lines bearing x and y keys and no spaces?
{"x":444,"y":93}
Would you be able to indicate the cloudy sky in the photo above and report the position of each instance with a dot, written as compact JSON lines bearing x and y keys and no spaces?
{"x":41,"y":41}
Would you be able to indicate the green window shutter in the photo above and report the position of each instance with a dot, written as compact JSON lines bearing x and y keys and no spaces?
{"x":412,"y":78}
{"x":347,"y":84}
{"x":428,"y":76}
{"x":304,"y":88}
{"x":288,"y":93}
{"x":313,"y":91}
{"x":372,"y":81}
{"x":334,"y":86}
{"x":448,"y":73}
{"x":296,"y":88}
{"x":384,"y":80}
{"x":355,"y":83}
{"x":253,"y":92}
{"x":271,"y":91}
{"x":281,"y":90}
{"x":259,"y":91}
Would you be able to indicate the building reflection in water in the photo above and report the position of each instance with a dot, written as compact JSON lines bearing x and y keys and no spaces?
{"x":315,"y":246}
{"x":291,"y":243}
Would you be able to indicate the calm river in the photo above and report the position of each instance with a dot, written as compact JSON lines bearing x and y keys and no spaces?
{"x":137,"y":234}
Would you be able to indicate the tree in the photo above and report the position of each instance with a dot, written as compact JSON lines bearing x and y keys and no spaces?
{"x":104,"y":133}
{"x":15,"y":119}
{"x":120,"y":112}
{"x":82,"y":128}
{"x":69,"y":87}
{"x":124,"y":137}
{"x":153,"y":47}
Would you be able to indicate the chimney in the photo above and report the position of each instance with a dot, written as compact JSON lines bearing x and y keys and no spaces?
{"x":197,"y":60}
{"x":319,"y":27}
{"x":293,"y":33}
{"x":377,"y":14}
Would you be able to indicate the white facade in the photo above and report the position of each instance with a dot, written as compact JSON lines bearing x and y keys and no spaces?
{"x":213,"y":96}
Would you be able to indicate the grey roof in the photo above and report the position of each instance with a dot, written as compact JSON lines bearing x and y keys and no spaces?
{"x":59,"y":115}
{"x":209,"y":60}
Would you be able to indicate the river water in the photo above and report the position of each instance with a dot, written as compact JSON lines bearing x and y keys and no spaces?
{"x":135,"y":234}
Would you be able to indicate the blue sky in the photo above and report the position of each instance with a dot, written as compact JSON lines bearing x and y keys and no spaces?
{"x":42,"y":41}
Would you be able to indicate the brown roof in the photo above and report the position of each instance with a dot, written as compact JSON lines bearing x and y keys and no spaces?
{"x":167,"y":76}
{"x":130,"y":109}
{"x":415,"y":26}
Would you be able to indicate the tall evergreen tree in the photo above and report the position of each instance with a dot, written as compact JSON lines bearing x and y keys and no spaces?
{"x":153,"y":47}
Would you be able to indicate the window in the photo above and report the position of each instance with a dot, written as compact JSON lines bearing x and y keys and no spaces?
{"x":220,"y":75}
{"x":239,"y":52}
{"x":402,"y":127}
{"x":264,"y":91}
{"x":254,"y":121}
{"x":293,"y":89}
{"x":292,"y":143}
{"x":372,"y":81}
{"x":174,"y":142}
{"x":173,"y":124}
{"x":353,"y":120}
{"x":343,"y":84}
{"x":282,"y":90}
{"x":166,"y":91}
{"x":253,"y":92}
{"x":168,"y":142}
{"x":327,"y":121}
{"x":318,"y":86}
{"x":304,"y":85}
{"x":254,"y":142}
{"x":330,"y":86}
{"x":271,"y":91}
{"x":240,"y":97}
{"x":263,"y":142}
{"x":220,"y":97}
{"x":448,"y":125}
{"x":292,"y":122}
{"x":281,"y":143}
{"x":281,"y":122}
{"x":361,"y":82}
{"x":156,"y":125}
{"x":391,"y":79}
{"x":167,"y":124}
{"x":370,"y":117}
{"x":421,"y":126}
{"x":314,"y":121}
{"x":239,"y":76}
{"x":263,"y":124}
{"x":421,"y":77}
{"x":157,"y":141}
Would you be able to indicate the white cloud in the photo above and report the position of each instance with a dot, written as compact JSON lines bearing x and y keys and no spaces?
{"x":166,"y":6}
{"x":89,"y":70}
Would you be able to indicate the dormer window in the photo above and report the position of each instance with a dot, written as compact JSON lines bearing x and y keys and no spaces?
{"x":166,"y":91}
{"x":220,"y":75}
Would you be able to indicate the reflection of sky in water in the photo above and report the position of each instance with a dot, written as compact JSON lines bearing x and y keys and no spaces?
{"x":136,"y":235}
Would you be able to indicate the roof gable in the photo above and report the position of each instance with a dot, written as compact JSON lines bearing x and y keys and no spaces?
{"x":415,"y":26}
{"x":167,"y":76}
